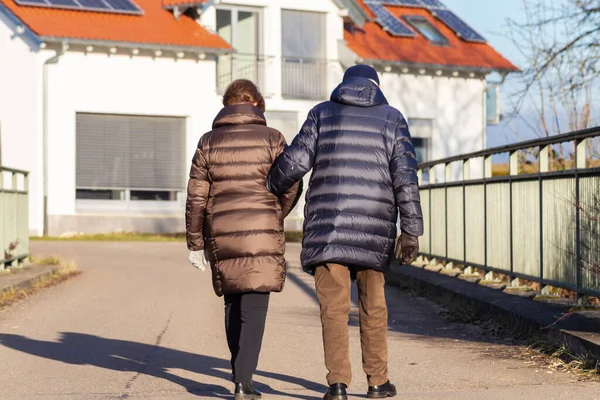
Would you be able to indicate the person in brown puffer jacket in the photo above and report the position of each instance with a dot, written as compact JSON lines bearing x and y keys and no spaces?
{"x":236,"y":224}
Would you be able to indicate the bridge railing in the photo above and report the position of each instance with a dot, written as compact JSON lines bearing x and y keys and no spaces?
{"x":539,"y":221}
{"x":14,"y":217}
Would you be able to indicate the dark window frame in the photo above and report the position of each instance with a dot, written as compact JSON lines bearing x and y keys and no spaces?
{"x":415,"y":20}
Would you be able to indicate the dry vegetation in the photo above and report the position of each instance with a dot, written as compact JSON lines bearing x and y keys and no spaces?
{"x":62,"y":272}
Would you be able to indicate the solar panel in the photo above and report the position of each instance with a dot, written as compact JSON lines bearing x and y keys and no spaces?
{"x":65,"y":3}
{"x":409,"y":3}
{"x":433,"y":4}
{"x":94,"y":5}
{"x":123,"y":5}
{"x":458,"y":26}
{"x":115,"y":6}
{"x":389,"y":22}
{"x":32,"y":2}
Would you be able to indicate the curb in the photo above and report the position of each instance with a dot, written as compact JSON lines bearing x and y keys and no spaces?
{"x":27,"y":285}
{"x":578,"y":333}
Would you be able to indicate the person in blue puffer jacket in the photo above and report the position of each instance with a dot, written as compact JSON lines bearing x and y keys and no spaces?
{"x":363,"y":175}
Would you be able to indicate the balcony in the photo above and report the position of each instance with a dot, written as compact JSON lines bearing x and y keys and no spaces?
{"x":289,"y":77}
{"x":304,"y":78}
{"x":240,"y":66}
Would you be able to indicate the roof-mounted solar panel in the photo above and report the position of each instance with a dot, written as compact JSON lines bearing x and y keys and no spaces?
{"x":113,"y":6}
{"x":389,"y":22}
{"x":122,"y":5}
{"x":458,"y":26}
{"x":403,"y":3}
{"x":433,"y":4}
{"x":33,"y":2}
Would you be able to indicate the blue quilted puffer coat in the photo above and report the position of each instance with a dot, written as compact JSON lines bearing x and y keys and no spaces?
{"x":364,"y":172}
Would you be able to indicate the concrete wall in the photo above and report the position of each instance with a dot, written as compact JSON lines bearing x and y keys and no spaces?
{"x":20,"y":111}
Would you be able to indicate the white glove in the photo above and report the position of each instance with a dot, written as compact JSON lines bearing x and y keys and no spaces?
{"x":198,"y":260}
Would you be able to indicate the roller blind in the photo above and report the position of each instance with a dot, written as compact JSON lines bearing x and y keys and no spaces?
{"x":303,"y":34}
{"x":129,"y":152}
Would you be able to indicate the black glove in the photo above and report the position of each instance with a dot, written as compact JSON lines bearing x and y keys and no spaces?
{"x":407,"y":248}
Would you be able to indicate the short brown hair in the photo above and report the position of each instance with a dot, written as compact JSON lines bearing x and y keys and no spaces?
{"x":243,"y":91}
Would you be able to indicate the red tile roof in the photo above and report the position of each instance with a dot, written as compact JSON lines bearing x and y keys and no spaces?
{"x":156,"y":26}
{"x":371,"y":42}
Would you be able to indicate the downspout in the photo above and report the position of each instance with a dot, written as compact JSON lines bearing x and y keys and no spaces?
{"x":52,"y":60}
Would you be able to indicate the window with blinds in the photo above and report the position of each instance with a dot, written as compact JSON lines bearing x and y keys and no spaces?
{"x":124,"y":157}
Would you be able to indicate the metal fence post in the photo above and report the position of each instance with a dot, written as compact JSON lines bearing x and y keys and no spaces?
{"x":487,"y":173}
{"x":466,"y":175}
{"x":544,"y":167}
{"x":513,"y":170}
{"x":580,"y":162}
{"x":447,"y":179}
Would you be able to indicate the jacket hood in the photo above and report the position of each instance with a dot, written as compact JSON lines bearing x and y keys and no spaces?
{"x":239,"y":114}
{"x":358,"y":91}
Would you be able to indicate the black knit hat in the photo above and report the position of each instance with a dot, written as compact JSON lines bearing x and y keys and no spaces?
{"x":363,"y":71}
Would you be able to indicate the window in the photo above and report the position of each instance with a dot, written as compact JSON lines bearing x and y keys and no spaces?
{"x":304,"y":67}
{"x":425,"y":28}
{"x":422,"y":149}
{"x":421,"y":131}
{"x":240,"y":28}
{"x":492,"y":104}
{"x":129,"y":158}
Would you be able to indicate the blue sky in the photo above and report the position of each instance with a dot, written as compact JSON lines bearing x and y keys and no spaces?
{"x":489,"y":19}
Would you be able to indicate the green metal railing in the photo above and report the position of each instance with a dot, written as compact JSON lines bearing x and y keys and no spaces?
{"x":14,"y":217}
{"x":540,"y":221}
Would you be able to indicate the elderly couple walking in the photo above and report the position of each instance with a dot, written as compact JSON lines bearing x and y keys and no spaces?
{"x":244,"y":181}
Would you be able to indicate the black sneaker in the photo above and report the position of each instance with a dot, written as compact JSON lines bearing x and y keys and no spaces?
{"x":245,"y":391}
{"x":382,"y":391}
{"x":337,"y":391}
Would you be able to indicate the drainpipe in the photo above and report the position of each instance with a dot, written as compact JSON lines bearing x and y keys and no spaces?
{"x":52,"y":60}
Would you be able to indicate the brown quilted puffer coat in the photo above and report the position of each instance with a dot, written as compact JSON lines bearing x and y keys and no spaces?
{"x":229,"y":212}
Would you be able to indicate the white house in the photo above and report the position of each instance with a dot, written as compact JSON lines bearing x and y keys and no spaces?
{"x":104,"y":100}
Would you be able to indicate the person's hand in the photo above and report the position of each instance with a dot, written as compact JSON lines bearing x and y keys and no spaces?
{"x":198,"y":260}
{"x":407,"y":248}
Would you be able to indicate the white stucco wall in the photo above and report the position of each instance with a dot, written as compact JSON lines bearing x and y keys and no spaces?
{"x":20,"y":111}
{"x":118,"y":84}
{"x":454,"y":104}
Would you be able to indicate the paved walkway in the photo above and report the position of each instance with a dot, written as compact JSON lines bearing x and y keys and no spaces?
{"x":140,"y":323}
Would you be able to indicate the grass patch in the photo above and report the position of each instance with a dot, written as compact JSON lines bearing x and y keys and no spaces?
{"x":290,"y":236}
{"x":293,"y":236}
{"x":46,"y":260}
{"x":60,"y":274}
{"x":116,"y":237}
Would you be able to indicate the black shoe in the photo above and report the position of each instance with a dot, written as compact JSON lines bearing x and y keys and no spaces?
{"x":382,"y":391}
{"x":337,"y":391}
{"x":245,"y":391}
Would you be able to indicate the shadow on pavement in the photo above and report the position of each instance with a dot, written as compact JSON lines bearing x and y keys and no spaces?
{"x":145,"y":359}
{"x":407,"y":313}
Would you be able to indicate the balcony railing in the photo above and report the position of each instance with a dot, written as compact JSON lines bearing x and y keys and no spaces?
{"x":240,"y":66}
{"x":304,"y":78}
{"x":14,"y":217}
{"x":292,"y":78}
{"x":540,"y":222}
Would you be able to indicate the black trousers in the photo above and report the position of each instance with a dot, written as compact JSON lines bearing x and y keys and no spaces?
{"x":245,"y":317}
